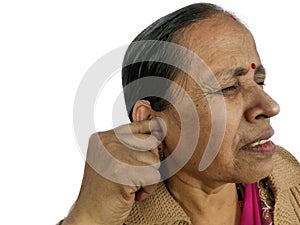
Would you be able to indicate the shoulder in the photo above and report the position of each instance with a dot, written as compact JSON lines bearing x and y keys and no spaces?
{"x":160,"y":208}
{"x":286,"y":171}
{"x":285,"y":184}
{"x":285,"y":155}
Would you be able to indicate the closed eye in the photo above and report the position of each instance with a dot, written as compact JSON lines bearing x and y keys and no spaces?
{"x":228,"y":89}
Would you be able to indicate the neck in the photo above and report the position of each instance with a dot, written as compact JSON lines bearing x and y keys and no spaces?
{"x":204,"y":203}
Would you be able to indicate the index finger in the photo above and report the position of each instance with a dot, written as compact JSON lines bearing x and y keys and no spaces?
{"x":154,"y":126}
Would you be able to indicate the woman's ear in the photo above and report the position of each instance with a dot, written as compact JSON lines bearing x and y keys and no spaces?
{"x":142,"y":111}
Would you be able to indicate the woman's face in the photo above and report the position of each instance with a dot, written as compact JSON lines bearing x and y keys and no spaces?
{"x":229,"y":50}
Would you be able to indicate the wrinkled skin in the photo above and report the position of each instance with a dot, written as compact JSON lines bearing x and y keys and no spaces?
{"x":224,"y":44}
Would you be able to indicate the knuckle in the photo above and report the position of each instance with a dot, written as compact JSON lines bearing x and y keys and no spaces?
{"x":156,"y":160}
{"x":94,"y":138}
{"x":132,"y":126}
{"x":103,"y":137}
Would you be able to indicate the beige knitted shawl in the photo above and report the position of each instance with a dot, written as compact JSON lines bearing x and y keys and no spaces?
{"x":161,"y":208}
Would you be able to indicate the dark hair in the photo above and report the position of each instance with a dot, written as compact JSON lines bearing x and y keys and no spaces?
{"x":164,"y":29}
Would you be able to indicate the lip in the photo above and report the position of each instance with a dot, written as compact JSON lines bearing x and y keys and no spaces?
{"x":267,"y":148}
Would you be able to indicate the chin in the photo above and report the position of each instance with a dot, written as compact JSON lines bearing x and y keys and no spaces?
{"x":261,"y":171}
{"x":252,"y":170}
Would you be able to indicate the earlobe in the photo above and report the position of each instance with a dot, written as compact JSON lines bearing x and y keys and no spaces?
{"x":141,"y":111}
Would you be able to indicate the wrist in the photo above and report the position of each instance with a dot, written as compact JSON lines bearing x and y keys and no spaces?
{"x":84,"y":218}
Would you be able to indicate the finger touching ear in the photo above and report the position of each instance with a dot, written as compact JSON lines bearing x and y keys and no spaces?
{"x":142,"y":111}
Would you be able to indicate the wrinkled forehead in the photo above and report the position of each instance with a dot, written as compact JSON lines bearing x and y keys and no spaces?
{"x":218,"y":31}
{"x":220,"y":42}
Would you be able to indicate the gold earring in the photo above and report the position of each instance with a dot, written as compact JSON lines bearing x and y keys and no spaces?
{"x":161,"y":151}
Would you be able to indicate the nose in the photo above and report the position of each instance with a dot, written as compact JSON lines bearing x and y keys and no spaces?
{"x":261,"y":106}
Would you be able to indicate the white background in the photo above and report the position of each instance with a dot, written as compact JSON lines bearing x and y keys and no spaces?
{"x":45,"y":49}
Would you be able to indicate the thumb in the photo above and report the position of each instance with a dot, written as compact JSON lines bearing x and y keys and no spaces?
{"x":145,"y":192}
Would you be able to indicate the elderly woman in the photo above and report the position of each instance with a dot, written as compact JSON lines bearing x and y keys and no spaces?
{"x":226,"y":170}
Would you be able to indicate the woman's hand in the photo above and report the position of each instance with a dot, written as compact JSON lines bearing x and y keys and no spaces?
{"x":110,"y":184}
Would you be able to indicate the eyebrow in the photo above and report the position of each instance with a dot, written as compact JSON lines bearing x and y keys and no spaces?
{"x":240,"y":71}
{"x":260,"y":70}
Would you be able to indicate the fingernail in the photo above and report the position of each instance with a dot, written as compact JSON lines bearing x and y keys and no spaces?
{"x":158,"y":133}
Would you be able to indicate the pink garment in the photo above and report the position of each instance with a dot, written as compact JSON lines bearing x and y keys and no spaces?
{"x":251,"y":214}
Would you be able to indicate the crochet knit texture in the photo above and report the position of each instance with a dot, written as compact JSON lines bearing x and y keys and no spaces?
{"x":162,"y":209}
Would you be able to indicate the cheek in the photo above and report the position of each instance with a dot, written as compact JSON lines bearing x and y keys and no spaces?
{"x":172,"y":121}
{"x":186,"y":120}
{"x":228,"y":151}
{"x":234,"y":110}
{"x":195,"y":123}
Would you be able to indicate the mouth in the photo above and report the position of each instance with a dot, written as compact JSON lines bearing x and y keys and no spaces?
{"x":262,"y":145}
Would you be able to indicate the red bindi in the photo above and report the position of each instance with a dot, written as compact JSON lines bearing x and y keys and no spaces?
{"x":253,"y":66}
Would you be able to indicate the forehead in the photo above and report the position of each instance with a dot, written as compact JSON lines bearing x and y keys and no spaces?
{"x":221,"y":42}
